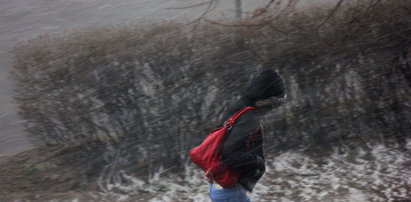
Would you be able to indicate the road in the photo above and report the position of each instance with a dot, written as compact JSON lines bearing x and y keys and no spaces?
{"x":25,"y":19}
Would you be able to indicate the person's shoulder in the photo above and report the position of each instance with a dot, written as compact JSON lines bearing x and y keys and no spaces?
{"x":253,"y":112}
{"x":250,"y":115}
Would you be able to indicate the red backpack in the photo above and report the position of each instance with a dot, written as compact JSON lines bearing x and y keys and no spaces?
{"x":207,"y":154}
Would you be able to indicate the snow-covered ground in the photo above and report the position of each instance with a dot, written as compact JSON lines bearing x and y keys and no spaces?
{"x":377,"y":174}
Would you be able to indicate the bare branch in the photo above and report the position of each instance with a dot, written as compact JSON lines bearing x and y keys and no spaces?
{"x":193,"y":6}
{"x":330,"y":15}
{"x":260,"y":11}
{"x":211,"y":6}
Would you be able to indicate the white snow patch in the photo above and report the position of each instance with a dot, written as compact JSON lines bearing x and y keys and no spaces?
{"x":356,"y":195}
{"x":378,"y":174}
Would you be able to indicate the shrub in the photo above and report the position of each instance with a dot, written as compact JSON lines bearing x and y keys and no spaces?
{"x":151,"y":93}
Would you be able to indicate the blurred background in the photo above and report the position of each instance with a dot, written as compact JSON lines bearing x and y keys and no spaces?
{"x":102,"y":100}
{"x":23,"y":19}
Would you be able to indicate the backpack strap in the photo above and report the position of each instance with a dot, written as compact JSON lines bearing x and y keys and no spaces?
{"x":230,"y":122}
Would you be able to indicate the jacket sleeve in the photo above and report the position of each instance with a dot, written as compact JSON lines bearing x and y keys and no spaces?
{"x":234,"y":152}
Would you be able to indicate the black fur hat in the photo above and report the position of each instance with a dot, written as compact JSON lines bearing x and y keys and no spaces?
{"x":266,"y":83}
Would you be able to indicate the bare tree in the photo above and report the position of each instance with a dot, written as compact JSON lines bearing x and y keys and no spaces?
{"x":238,"y":9}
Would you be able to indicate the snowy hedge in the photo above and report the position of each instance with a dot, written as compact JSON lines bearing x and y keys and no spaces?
{"x":149,"y":94}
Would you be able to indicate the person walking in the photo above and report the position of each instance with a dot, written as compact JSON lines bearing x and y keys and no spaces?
{"x":242,"y":147}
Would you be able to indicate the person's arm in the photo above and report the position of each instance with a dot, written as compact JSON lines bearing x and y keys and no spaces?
{"x":234,"y":152}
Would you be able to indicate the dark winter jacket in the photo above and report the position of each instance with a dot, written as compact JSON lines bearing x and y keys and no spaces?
{"x":243,"y":146}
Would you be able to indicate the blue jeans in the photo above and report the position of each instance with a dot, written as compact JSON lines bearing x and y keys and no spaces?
{"x":232,"y":194}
